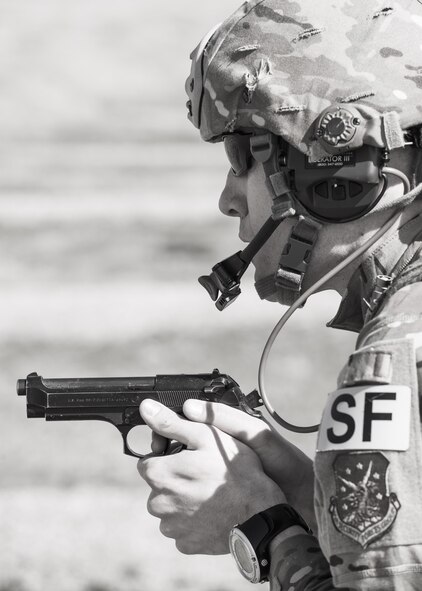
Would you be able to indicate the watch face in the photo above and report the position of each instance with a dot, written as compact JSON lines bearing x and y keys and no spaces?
{"x":244,"y":555}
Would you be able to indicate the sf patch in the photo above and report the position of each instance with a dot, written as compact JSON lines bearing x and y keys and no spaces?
{"x":366,"y":418}
{"x":363,"y":509}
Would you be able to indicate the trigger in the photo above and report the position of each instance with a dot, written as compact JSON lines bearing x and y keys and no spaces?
{"x":171,"y":448}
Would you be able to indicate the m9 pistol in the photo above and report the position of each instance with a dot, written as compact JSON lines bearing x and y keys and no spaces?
{"x":117,"y":400}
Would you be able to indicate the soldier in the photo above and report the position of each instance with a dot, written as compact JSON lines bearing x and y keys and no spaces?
{"x":319,"y":108}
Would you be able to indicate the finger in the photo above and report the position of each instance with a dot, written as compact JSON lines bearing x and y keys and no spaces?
{"x":156,"y":475}
{"x":167,"y":528}
{"x":236,"y":423}
{"x":168,"y":424}
{"x":159,"y":505}
{"x":188,"y":547}
{"x":265,"y":441}
{"x":158,"y":443}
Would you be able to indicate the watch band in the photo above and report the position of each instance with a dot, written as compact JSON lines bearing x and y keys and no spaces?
{"x":271,"y":522}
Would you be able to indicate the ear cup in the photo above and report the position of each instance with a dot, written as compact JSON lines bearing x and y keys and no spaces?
{"x":337,"y":188}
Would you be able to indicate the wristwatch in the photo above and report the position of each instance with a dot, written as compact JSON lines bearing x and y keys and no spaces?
{"x":249,"y":542}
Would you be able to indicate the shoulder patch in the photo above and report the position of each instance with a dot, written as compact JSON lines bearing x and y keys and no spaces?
{"x":363,"y":509}
{"x":366,"y":418}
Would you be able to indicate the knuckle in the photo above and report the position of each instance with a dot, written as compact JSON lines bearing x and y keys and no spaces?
{"x":149,"y":472}
{"x":213,"y":410}
{"x":155,"y":506}
{"x":166,"y":529}
{"x":186,"y":547}
{"x":164,"y":422}
{"x":266,"y":435}
{"x":142,"y":468}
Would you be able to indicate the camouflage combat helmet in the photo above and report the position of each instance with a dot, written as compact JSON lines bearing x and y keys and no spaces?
{"x":277,"y":64}
{"x":325,"y":78}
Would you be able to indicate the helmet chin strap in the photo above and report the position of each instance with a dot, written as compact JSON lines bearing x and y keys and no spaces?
{"x":288,"y":280}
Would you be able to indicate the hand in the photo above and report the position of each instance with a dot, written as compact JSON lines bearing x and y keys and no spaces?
{"x":200,"y":493}
{"x":283,"y":462}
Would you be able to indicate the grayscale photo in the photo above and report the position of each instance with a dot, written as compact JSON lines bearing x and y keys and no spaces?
{"x":211,"y":287}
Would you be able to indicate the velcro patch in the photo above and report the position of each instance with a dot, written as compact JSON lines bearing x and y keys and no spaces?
{"x":366,"y":418}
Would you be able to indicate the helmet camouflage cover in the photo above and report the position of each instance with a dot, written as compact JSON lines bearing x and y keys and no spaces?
{"x":277,"y":64}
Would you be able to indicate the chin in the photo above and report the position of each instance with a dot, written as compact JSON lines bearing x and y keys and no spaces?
{"x":274,"y":298}
{"x":279,"y":298}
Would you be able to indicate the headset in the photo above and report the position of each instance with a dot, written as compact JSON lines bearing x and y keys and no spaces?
{"x":342,"y":185}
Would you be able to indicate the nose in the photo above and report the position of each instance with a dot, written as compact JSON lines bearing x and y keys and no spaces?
{"x":233,"y":201}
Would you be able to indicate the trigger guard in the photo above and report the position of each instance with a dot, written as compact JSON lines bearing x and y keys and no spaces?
{"x":125,"y":430}
{"x":126,"y":447}
{"x":172,"y":447}
{"x":169,"y":451}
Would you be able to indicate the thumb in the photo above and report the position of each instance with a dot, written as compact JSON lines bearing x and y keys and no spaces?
{"x":170,"y":425}
{"x":250,"y":430}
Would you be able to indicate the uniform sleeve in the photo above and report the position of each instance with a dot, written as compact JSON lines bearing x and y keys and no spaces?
{"x":368,"y":465}
{"x":368,"y":468}
{"x":298,"y":564}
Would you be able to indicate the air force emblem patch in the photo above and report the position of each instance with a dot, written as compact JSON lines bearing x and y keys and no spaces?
{"x":362,"y":509}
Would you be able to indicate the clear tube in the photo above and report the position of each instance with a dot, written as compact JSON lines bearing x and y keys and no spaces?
{"x":302,"y":299}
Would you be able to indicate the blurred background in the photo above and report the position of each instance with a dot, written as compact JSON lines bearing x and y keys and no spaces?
{"x":108,"y":214}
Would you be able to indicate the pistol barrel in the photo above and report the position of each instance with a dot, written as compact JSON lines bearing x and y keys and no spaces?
{"x":21,"y":387}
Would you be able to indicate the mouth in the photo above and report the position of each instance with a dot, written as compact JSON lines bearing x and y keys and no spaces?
{"x":244,"y":233}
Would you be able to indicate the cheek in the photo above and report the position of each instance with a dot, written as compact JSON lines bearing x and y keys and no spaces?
{"x":268,"y":258}
{"x":258,"y":215}
{"x":259,"y":198}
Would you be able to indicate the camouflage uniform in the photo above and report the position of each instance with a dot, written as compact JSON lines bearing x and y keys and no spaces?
{"x":367,"y":501}
{"x":276,"y":65}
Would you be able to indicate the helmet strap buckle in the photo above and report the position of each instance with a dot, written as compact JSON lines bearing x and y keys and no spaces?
{"x":296,"y":255}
